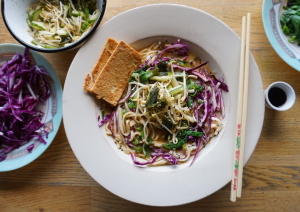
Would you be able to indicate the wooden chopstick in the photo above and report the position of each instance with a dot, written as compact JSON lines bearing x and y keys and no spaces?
{"x":245,"y":98}
{"x":237,"y":170}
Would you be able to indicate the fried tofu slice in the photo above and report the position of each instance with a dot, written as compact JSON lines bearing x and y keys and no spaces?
{"x":90,"y":79}
{"x":114,"y":77}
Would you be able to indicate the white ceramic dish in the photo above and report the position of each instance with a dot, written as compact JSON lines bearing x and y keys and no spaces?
{"x":14,"y":16}
{"x":289,"y":52}
{"x":169,"y":185}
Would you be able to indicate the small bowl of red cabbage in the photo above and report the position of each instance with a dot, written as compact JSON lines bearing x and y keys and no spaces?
{"x":30,"y":106}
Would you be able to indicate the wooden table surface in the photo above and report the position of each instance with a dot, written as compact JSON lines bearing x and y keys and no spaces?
{"x":57,"y":182}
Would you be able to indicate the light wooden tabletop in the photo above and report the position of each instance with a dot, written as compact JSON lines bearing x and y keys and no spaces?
{"x":57,"y":182}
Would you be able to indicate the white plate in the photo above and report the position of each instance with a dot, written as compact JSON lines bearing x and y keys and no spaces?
{"x":289,"y":52}
{"x":171,"y":185}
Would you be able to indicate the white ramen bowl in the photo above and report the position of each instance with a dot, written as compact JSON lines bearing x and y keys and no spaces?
{"x":168,"y":185}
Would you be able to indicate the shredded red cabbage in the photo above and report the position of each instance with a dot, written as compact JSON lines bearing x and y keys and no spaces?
{"x":140,"y":163}
{"x":127,"y":96}
{"x":202,"y":76}
{"x":180,"y":49}
{"x":164,"y":155}
{"x":104,"y":120}
{"x":197,"y":150}
{"x":30,"y":147}
{"x":22,"y":86}
{"x":170,"y":158}
{"x":190,"y":69}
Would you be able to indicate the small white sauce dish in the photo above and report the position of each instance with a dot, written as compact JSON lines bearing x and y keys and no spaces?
{"x":280,"y":96}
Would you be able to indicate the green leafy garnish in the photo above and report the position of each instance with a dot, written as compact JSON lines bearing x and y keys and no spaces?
{"x":190,"y":102}
{"x":194,"y":133}
{"x":149,"y":140}
{"x":136,"y":141}
{"x":131,"y":104}
{"x":145,"y":76}
{"x":163,"y":66}
{"x":138,"y":149}
{"x":183,"y":63}
{"x":290,"y":21}
{"x":142,"y":136}
{"x":161,"y":103}
{"x":133,"y":77}
{"x":168,"y":123}
{"x":152,"y":100}
{"x":182,"y":139}
{"x":147,"y":150}
{"x":192,"y":85}
{"x":139,"y":127}
{"x":184,"y":123}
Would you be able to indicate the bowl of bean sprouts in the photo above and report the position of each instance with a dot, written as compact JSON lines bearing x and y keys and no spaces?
{"x":52,"y":25}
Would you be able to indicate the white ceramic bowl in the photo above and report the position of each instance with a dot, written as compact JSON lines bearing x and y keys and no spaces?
{"x":14,"y":16}
{"x":210,"y":39}
{"x":52,"y":110}
{"x":289,"y":52}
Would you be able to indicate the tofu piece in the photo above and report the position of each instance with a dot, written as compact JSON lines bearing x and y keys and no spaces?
{"x":90,"y":79}
{"x":112,"y":81}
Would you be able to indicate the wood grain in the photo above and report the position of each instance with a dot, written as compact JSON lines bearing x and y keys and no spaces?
{"x":218,"y":201}
{"x":57,"y":182}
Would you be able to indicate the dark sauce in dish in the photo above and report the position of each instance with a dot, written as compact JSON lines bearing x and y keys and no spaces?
{"x":277,"y":96}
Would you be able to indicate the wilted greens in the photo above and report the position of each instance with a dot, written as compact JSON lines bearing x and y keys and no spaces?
{"x":290,"y":21}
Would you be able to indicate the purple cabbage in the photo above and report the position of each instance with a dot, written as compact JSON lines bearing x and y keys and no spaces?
{"x":164,"y":155}
{"x":190,"y":69}
{"x":170,"y":158}
{"x":104,"y":120}
{"x":30,"y":148}
{"x":197,"y":150}
{"x":23,"y":86}
{"x":128,"y":142}
{"x":178,"y":49}
{"x":215,"y":81}
{"x":140,"y":163}
{"x":200,"y":75}
{"x":127,"y":96}
{"x":154,"y":155}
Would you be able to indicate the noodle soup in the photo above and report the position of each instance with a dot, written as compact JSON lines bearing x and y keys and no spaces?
{"x":172,"y":108}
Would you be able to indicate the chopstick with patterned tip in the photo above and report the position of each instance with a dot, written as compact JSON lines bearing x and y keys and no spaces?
{"x":237,"y":170}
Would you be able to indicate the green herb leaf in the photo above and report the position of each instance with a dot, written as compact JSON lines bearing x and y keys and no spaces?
{"x":161,"y":103}
{"x":152,"y":100}
{"x":131,"y":104}
{"x":163,"y":66}
{"x":150,"y":140}
{"x":168,"y":123}
{"x":190,"y":102}
{"x":182,"y":139}
{"x":184,"y":123}
{"x":136,"y":141}
{"x":173,"y":146}
{"x":138,"y":149}
{"x":139,"y":127}
{"x":290,"y":21}
{"x":194,"y":133}
{"x":147,"y":150}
